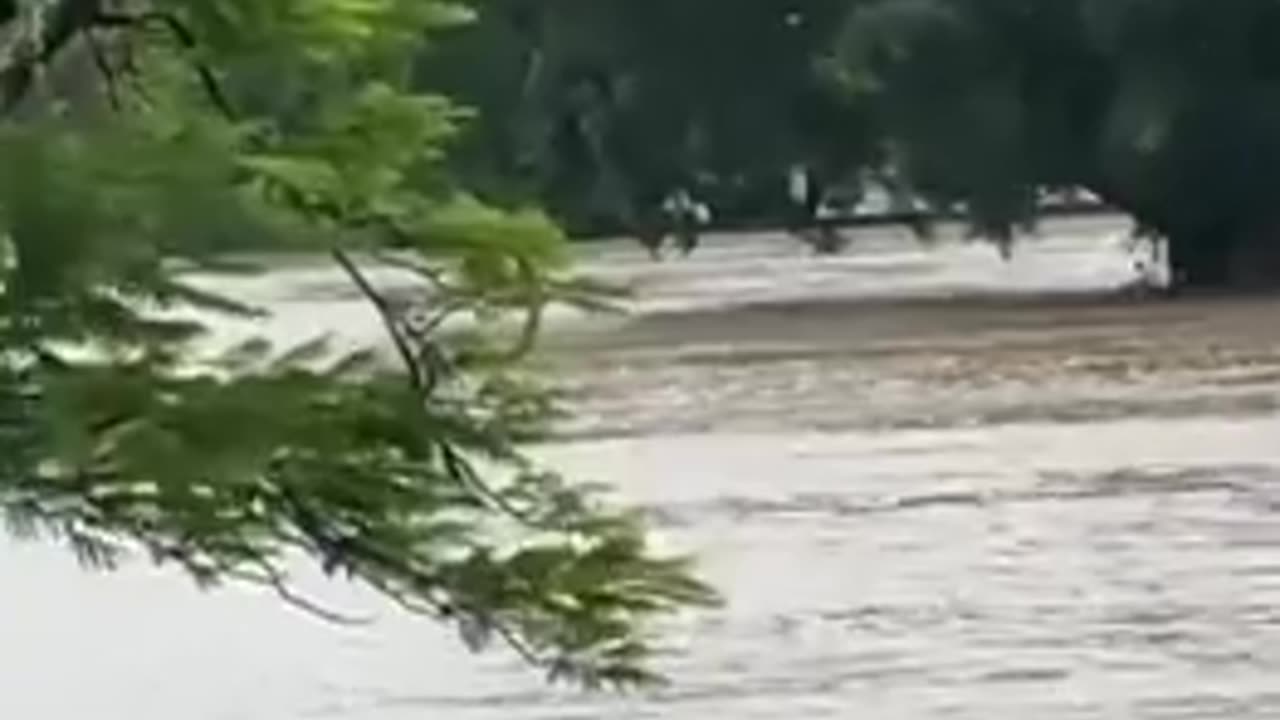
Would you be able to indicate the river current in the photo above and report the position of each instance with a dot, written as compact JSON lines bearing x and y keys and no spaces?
{"x":931,"y":484}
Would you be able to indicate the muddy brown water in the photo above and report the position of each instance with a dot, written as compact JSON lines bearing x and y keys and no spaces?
{"x":930,"y":483}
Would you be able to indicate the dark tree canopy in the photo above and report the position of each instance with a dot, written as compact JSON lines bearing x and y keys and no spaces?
{"x":1168,"y":109}
{"x":608,"y":105}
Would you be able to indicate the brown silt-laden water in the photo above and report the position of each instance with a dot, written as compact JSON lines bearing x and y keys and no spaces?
{"x":931,"y":485}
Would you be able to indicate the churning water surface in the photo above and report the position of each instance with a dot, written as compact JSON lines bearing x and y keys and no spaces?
{"x":931,"y":484}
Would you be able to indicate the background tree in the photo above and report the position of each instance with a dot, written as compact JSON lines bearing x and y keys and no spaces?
{"x":142,"y":140}
{"x":610,"y":105}
{"x":1168,"y":109}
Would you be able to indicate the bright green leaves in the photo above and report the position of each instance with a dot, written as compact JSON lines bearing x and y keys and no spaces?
{"x":321,"y":31}
{"x":251,"y":127}
{"x":232,"y":478}
{"x":95,"y":213}
{"x":50,"y":213}
{"x":368,"y":156}
{"x":577,"y":600}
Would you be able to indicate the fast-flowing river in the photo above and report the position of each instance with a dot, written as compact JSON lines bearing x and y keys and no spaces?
{"x":931,"y":484}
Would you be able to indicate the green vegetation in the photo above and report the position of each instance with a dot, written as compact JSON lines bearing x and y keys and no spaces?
{"x":141,"y":142}
{"x":1169,"y":110}
{"x":1166,"y":109}
{"x":601,"y":108}
{"x":144,"y":142}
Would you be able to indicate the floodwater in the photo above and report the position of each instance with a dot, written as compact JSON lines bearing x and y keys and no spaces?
{"x":930,"y":483}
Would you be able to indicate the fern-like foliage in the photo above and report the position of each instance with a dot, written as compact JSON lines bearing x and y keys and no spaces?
{"x":144,"y":140}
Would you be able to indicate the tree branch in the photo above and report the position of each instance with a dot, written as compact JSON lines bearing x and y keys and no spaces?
{"x":103,"y":64}
{"x":271,"y":578}
{"x":425,"y":370}
{"x":186,"y":39}
{"x":416,"y":606}
{"x":423,"y":379}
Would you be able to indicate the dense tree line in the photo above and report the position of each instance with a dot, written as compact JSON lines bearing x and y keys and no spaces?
{"x":1166,"y":109}
{"x":604,"y":107}
{"x":1169,"y":110}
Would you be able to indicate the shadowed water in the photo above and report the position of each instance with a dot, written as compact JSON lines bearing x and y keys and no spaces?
{"x":1028,"y":502}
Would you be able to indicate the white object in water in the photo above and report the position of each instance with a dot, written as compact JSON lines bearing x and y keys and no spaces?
{"x":1149,"y":257}
{"x":681,"y":204}
{"x":798,"y":184}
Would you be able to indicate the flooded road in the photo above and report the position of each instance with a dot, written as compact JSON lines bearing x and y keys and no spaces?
{"x":931,"y":485}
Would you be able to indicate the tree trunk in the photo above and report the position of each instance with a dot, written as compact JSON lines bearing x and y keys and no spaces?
{"x":1213,"y":247}
{"x":1229,"y":259}
{"x":1200,"y":261}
